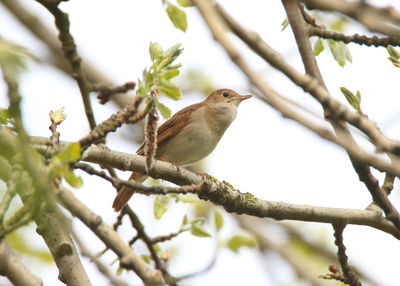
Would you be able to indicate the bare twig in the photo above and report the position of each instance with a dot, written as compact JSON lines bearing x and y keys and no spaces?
{"x":105,"y":91}
{"x":163,"y":238}
{"x":112,"y":123}
{"x":139,"y":188}
{"x":356,"y":38}
{"x":382,"y":20}
{"x":141,"y":233}
{"x":364,"y":173}
{"x":322,"y":32}
{"x":71,"y":54}
{"x":349,"y":274}
{"x":309,"y":84}
{"x":39,"y":29}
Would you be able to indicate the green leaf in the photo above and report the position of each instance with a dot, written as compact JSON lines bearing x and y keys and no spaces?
{"x":13,"y":57}
{"x":338,"y":24}
{"x":354,"y":100}
{"x":171,"y":93}
{"x":173,"y":51}
{"x":169,"y":73}
{"x":19,"y":240}
{"x":185,"y":220}
{"x":71,"y":153}
{"x":155,"y":51}
{"x":119,"y":271}
{"x":185,"y":3}
{"x":318,"y":47}
{"x":177,"y":17}
{"x":198,"y":230}
{"x":142,"y":89}
{"x":73,"y":180}
{"x":146,"y":258}
{"x":394,"y":53}
{"x":238,"y":241}
{"x":218,"y":220}
{"x":160,"y":206}
{"x":165,"y":111}
{"x":284,"y":24}
{"x":340,"y":52}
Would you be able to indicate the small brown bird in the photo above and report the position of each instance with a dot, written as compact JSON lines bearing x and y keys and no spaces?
{"x":190,"y":135}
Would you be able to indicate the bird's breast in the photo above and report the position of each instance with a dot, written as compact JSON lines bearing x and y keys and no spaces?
{"x":194,"y":142}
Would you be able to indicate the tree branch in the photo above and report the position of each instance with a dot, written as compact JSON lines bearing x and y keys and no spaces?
{"x":128,"y":258}
{"x":35,"y":25}
{"x":12,"y":267}
{"x":308,"y":83}
{"x":382,"y":20}
{"x":356,"y":38}
{"x":232,"y":200}
{"x":364,"y":173}
{"x":349,"y":274}
{"x":71,"y":54}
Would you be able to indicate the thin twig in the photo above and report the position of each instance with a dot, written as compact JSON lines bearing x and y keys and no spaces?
{"x":105,"y":92}
{"x":349,"y":274}
{"x":309,"y":84}
{"x":374,"y":41}
{"x":112,"y":123}
{"x":141,"y":233}
{"x":363,"y":171}
{"x":140,"y":188}
{"x":71,"y":54}
{"x":384,"y":20}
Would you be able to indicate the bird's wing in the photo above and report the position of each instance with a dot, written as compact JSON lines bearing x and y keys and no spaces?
{"x":172,"y":126}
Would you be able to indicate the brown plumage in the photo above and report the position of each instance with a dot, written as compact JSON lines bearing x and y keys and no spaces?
{"x":190,"y":135}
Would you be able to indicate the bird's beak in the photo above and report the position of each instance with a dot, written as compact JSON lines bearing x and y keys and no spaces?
{"x":242,"y":97}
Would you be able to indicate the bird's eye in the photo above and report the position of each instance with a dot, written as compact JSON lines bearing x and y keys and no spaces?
{"x":225,"y":94}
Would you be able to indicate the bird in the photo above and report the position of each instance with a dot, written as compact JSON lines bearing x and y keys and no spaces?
{"x":189,"y":135}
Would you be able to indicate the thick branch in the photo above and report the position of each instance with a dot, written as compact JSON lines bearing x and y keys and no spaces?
{"x":128,"y":258}
{"x":12,"y":267}
{"x":233,"y":200}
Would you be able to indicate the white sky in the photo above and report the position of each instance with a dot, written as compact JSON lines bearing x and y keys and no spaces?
{"x":261,"y":153}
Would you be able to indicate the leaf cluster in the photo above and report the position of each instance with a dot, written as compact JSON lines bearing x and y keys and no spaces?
{"x":158,"y":78}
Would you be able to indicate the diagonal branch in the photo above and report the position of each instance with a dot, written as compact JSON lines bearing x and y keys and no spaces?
{"x":12,"y":267}
{"x":364,"y":173}
{"x":128,"y":258}
{"x":308,"y":83}
{"x":71,"y":54}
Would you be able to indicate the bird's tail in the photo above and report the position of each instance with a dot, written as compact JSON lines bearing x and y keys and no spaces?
{"x":125,"y":193}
